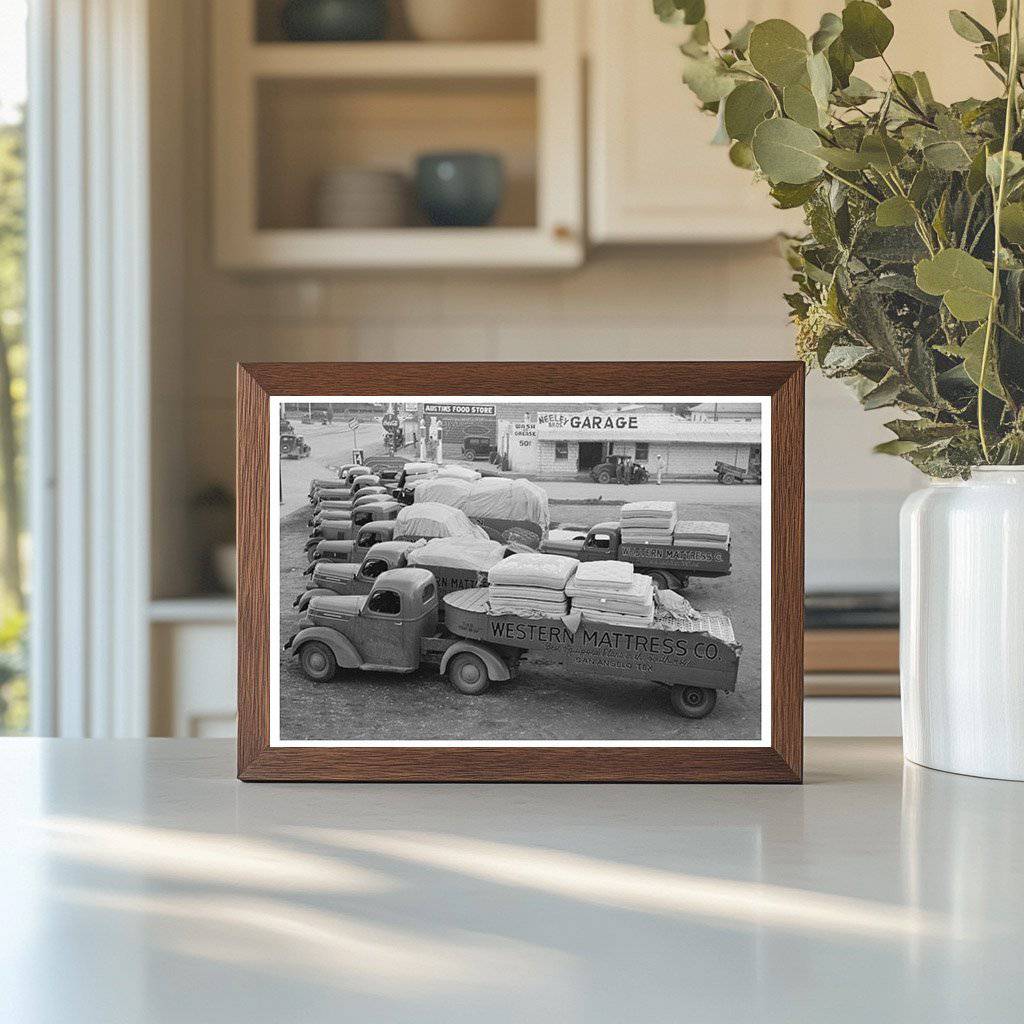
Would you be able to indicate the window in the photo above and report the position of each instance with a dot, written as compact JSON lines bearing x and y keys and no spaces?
{"x":561,"y":449}
{"x":373,"y":568}
{"x":643,"y":451}
{"x":599,"y":540}
{"x":14,"y":693}
{"x":428,"y":593}
{"x":385,"y":602}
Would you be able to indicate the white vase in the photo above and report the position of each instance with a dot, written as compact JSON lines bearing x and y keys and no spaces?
{"x":962,"y":624}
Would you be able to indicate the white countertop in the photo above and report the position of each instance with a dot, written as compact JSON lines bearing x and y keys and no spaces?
{"x":140,"y":882}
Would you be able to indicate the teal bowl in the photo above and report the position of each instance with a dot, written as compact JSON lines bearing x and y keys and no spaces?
{"x":334,"y":21}
{"x":460,"y":189}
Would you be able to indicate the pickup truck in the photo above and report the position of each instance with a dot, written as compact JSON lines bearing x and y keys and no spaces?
{"x":341,"y":578}
{"x":344,"y":524}
{"x":670,"y":566}
{"x":396,"y":628}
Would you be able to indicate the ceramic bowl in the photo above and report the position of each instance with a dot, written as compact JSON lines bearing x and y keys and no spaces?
{"x":470,"y":20}
{"x":460,"y":189}
{"x":332,"y":21}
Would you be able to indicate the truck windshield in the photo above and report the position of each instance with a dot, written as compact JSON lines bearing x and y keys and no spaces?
{"x":374,"y":567}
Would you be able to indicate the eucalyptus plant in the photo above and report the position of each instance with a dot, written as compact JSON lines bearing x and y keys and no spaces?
{"x":910,"y":277}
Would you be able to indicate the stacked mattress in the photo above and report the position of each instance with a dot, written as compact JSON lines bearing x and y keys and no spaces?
{"x":648,"y":522}
{"x":530,"y":584}
{"x":612,"y":592}
{"x":691,"y":532}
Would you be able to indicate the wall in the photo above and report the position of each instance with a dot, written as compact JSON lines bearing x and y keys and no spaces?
{"x":642,"y":304}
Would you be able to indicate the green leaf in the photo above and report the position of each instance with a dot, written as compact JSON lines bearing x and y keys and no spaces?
{"x":788,"y":196}
{"x":923,"y":431}
{"x":922,"y":185}
{"x":866,"y":29}
{"x":844,"y":159}
{"x":963,"y":281}
{"x":739,"y":41}
{"x":857,"y":91}
{"x":883,"y":152}
{"x":801,"y":106}
{"x":924,"y":88}
{"x":829,"y":30}
{"x":1012,"y":224}
{"x":947,"y":156}
{"x":999,"y":9}
{"x":690,"y":12}
{"x":976,"y":174}
{"x":787,"y":151}
{"x":895,"y":212}
{"x":840,"y":61}
{"x":993,"y":167}
{"x":971,"y":351}
{"x":745,"y":108}
{"x":885,"y":394}
{"x":741,"y":155}
{"x":779,"y":51}
{"x":819,"y":74}
{"x":969,"y":28}
{"x":707,"y":78}
{"x":895,"y":447}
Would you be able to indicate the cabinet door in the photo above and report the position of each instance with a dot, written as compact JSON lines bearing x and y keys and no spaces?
{"x":654,"y":177}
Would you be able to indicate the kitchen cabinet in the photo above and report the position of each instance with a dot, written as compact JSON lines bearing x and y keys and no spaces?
{"x":653,"y":175}
{"x":286,"y":114}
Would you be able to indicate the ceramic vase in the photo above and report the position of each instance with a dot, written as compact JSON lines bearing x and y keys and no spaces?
{"x":962,"y":624}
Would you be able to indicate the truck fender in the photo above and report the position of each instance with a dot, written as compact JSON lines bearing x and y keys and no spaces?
{"x":344,"y":652}
{"x":497,"y":669}
{"x":302,"y":601}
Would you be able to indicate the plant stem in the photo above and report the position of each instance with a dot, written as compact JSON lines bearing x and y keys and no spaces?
{"x":1011,"y":108}
{"x":853,"y":185}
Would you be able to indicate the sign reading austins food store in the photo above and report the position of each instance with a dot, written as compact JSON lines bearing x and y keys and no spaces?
{"x":458,"y":410}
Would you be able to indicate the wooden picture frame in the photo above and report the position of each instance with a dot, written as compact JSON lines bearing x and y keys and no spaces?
{"x":780,"y":758}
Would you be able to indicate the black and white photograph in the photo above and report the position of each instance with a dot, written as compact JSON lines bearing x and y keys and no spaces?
{"x":521,"y":571}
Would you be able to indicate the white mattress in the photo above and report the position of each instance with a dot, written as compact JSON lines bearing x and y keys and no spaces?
{"x":501,"y":592}
{"x":528,"y":609}
{"x":535,"y":570}
{"x":601,"y":577}
{"x":615,"y":619}
{"x":637,"y":600}
{"x":457,"y":553}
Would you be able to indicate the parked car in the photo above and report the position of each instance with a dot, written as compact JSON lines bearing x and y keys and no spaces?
{"x":477,"y":446}
{"x":293,"y":446}
{"x":607,"y":472}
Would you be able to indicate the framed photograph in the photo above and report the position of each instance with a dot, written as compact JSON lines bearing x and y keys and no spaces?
{"x":520,"y":571}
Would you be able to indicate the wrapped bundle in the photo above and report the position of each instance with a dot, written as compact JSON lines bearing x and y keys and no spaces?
{"x":447,"y":490}
{"x":420,"y":468}
{"x":498,"y":498}
{"x":430,"y":519}
{"x":457,"y":553}
{"x":564,"y":542}
{"x":458,"y":473}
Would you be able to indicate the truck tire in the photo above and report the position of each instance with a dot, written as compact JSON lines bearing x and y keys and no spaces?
{"x":728,"y":478}
{"x":693,"y":701}
{"x":318,"y":661}
{"x":604,"y":477}
{"x":469,"y":456}
{"x":468,"y":674}
{"x":661,"y":581}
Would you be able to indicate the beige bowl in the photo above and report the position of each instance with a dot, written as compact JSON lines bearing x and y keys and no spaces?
{"x":362,"y":198}
{"x":471,"y":20}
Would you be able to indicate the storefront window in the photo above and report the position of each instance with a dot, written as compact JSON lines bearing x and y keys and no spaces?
{"x":561,"y":449}
{"x":643,"y":450}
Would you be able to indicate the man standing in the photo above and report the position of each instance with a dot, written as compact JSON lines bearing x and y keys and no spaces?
{"x":660,"y":463}
{"x":620,"y":470}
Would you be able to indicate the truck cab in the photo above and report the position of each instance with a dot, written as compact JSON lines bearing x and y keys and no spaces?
{"x":345,"y":578}
{"x":382,"y":630}
{"x":341,"y":531}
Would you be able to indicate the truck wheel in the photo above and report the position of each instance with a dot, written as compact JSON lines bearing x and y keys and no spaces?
{"x":661,"y":581}
{"x":468,"y":674}
{"x":604,"y":477}
{"x":693,"y":701}
{"x":730,"y":479}
{"x":469,"y":456}
{"x":318,"y":661}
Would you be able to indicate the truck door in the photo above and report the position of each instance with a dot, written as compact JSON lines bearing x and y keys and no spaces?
{"x":600,"y":545}
{"x":383,"y":629}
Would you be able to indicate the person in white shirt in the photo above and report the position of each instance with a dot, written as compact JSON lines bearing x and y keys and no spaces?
{"x":660,"y":463}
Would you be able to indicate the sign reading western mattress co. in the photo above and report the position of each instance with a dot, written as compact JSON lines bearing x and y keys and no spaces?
{"x":458,"y":410}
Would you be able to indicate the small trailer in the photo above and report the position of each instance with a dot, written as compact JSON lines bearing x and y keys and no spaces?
{"x":396,"y":628}
{"x":669,"y":565}
{"x":727,"y":474}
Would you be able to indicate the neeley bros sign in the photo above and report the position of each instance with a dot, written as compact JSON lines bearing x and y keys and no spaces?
{"x":588,"y":421}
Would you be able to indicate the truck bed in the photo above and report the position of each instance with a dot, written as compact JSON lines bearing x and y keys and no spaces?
{"x":707,"y":656}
